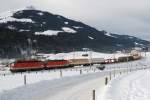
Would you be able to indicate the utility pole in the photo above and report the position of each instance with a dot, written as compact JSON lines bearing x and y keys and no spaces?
{"x":90,"y":58}
{"x":30,"y":47}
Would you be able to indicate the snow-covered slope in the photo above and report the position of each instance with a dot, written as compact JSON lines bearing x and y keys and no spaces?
{"x":90,"y":54}
{"x":8,"y":17}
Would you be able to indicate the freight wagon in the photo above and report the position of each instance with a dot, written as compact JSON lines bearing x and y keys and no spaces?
{"x":97,"y":60}
{"x":125,"y":59}
{"x":136,"y":54}
{"x":86,"y":62}
{"x":110,"y":61}
{"x":76,"y":62}
{"x":137,"y":57}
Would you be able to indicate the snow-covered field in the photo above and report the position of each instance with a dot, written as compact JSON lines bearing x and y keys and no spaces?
{"x":91,"y":54}
{"x":17,"y":80}
{"x":70,"y":85}
{"x":134,"y":86}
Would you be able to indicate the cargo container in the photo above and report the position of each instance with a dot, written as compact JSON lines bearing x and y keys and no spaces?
{"x":97,"y":60}
{"x":75,"y":62}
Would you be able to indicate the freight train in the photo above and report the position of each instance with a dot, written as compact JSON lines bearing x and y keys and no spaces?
{"x":24,"y":65}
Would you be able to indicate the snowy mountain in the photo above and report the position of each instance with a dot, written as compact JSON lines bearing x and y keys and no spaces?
{"x":55,"y":33}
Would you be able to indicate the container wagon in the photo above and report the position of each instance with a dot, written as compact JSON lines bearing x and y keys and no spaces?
{"x":76,"y":62}
{"x":97,"y":60}
{"x":125,"y":59}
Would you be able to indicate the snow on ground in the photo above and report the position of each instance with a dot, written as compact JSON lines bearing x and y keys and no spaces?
{"x":66,"y":23}
{"x":22,"y":30}
{"x":134,"y":86}
{"x":11,"y":19}
{"x":91,"y":54}
{"x":7,"y":17}
{"x":68,"y":30}
{"x":49,"y":89}
{"x":138,"y":43}
{"x":90,"y":37}
{"x":56,"y":32}
{"x":48,"y":32}
{"x":3,"y":65}
{"x":77,"y":87}
{"x":17,"y":79}
{"x":41,"y":14}
{"x":77,"y":27}
{"x":109,"y":34}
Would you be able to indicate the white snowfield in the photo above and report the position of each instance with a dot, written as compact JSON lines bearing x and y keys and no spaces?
{"x":48,"y":32}
{"x":7,"y":17}
{"x":56,"y":32}
{"x":135,"y":86}
{"x":72,"y":86}
{"x":110,"y":35}
{"x":91,"y":54}
{"x":69,"y":88}
{"x":68,"y":30}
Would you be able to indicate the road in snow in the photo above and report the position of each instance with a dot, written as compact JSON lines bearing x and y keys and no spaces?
{"x":67,"y":88}
{"x":135,"y":86}
{"x":58,"y":89}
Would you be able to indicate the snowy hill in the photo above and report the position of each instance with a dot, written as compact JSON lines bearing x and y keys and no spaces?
{"x":79,"y":55}
{"x":55,"y":33}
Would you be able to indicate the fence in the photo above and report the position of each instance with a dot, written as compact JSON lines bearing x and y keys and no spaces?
{"x":118,"y":73}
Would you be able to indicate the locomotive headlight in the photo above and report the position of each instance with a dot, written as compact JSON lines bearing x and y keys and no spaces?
{"x":12,"y":64}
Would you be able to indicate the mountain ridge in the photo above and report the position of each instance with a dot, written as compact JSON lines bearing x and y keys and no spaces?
{"x":55,"y":33}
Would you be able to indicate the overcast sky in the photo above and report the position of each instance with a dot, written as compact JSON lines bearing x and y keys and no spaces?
{"x":130,"y":17}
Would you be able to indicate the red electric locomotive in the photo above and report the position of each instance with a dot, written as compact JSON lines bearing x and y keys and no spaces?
{"x":57,"y":64}
{"x":26,"y":65}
